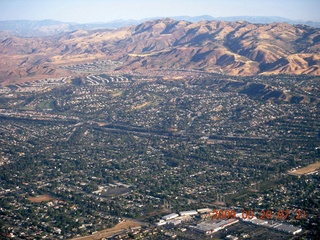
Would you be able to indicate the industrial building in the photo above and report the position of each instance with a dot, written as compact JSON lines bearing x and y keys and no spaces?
{"x":170,"y":216}
{"x":287,"y":228}
{"x":188,"y":213}
{"x":205,"y":228}
{"x":174,"y":222}
{"x":173,"y":219}
{"x":204,"y":210}
{"x":210,"y":227}
{"x":259,"y":222}
{"x":274,"y":225}
{"x":161,"y":223}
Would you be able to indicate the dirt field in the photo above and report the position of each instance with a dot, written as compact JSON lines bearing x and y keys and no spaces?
{"x":41,"y":198}
{"x":305,"y":170}
{"x":101,"y":124}
{"x":141,"y":105}
{"x":110,"y":231}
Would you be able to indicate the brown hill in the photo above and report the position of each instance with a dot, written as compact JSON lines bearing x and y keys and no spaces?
{"x":235,"y":48}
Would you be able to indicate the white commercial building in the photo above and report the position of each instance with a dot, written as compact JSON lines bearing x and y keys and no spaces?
{"x":204,"y":210}
{"x":170,"y":216}
{"x":210,"y":227}
{"x":188,"y":213}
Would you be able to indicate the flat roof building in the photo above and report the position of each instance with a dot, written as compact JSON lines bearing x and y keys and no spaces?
{"x":204,"y":210}
{"x":206,"y":228}
{"x":259,"y":222}
{"x":275,"y":225}
{"x":188,"y":213}
{"x":174,"y":222}
{"x":161,"y":223}
{"x":288,"y":228}
{"x":210,"y":227}
{"x":170,"y":216}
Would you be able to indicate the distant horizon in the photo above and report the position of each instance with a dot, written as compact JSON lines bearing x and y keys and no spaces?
{"x":160,"y":17}
{"x":101,"y":11}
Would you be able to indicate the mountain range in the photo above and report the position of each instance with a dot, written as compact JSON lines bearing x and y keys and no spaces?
{"x":232,"y":48}
{"x":28,"y":28}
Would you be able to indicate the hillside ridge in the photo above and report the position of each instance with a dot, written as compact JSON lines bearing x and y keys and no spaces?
{"x":231,"y":48}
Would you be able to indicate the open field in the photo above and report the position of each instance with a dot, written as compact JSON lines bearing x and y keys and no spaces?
{"x":40,"y":198}
{"x":141,"y":105}
{"x":101,"y":124}
{"x":305,"y":170}
{"x":110,"y":231}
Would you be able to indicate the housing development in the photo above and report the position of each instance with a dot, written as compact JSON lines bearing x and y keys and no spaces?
{"x":163,"y":152}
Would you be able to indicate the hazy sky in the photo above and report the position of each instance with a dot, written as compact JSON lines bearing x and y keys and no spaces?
{"x":84,"y":11}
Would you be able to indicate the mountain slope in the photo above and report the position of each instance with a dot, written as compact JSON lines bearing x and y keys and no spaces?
{"x":27,"y":28}
{"x":235,"y":48}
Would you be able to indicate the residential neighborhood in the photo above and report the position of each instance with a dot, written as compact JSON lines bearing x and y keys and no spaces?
{"x":79,"y":155}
